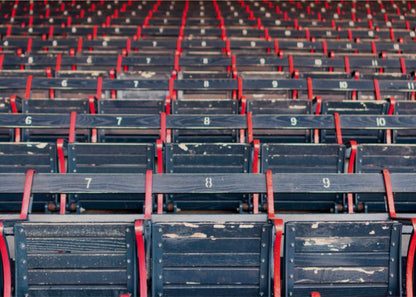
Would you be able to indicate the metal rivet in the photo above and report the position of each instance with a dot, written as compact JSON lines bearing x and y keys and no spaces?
{"x":160,"y":230}
{"x":128,"y":261}
{"x":392,"y":259}
{"x":261,"y":294}
{"x":290,"y":294}
{"x":160,"y":277}
{"x":262,"y":276}
{"x":291,"y":276}
{"x":394,"y":228}
{"x":22,"y":245}
{"x":159,"y":245}
{"x":127,"y":230}
{"x":291,"y":261}
{"x":160,"y":260}
{"x":160,"y":295}
{"x":263,"y":260}
{"x":263,"y":229}
{"x":292,"y":245}
{"x":391,"y":275}
{"x":128,"y":276}
{"x":24,"y":261}
{"x":128,"y":245}
{"x":263,"y":245}
{"x":24,"y":277}
{"x":21,"y":231}
{"x":293,"y":229}
{"x":393,"y":244}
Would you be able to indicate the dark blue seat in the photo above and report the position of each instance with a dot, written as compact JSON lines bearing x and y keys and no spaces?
{"x":20,"y":157}
{"x":93,"y":158}
{"x":343,"y":258}
{"x":305,"y":158}
{"x":208,"y":158}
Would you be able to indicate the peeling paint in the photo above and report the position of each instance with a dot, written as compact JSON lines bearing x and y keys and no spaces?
{"x":354,"y":269}
{"x":42,"y":145}
{"x":246,"y":226}
{"x":183,"y":147}
{"x":219,"y":226}
{"x":198,"y":235}
{"x":171,"y":235}
{"x":193,"y":283}
{"x":190,"y":225}
{"x":315,"y":226}
{"x":372,"y":232}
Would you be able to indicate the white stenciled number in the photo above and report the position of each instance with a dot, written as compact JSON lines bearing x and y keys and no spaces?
{"x":410,"y":86}
{"x":262,"y":61}
{"x":148,"y":60}
{"x":343,"y":85}
{"x":88,"y":179}
{"x":253,"y":44}
{"x":205,"y":60}
{"x":207,"y":121}
{"x":30,"y":60}
{"x":64,"y":83}
{"x":275,"y":84}
{"x":326,"y":182}
{"x":381,"y":122}
{"x":119,"y":119}
{"x":318,"y":62}
{"x":293,"y":121}
{"x":136,"y":83}
{"x":206,"y":84}
{"x":89,"y":60}
{"x":28,"y":120}
{"x":208,"y":182}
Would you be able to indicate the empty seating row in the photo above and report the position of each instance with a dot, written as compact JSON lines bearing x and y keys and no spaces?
{"x":201,"y":255}
{"x":289,"y":128}
{"x":329,"y":89}
{"x":283,"y":67}
{"x":204,"y":158}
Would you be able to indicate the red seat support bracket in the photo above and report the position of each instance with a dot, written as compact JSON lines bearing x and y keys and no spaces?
{"x":91,"y":102}
{"x":315,"y":294}
{"x":141,"y":255}
{"x":163,"y":127}
{"x":99,"y":87}
{"x":148,"y":195}
{"x":28,"y":86}
{"x":377,"y":89}
{"x":27,"y":192}
{"x":72,"y":127}
{"x":350,"y":171}
{"x":317,"y":112}
{"x":310,"y":88}
{"x":389,"y":194}
{"x":159,"y":150}
{"x":7,"y":279}
{"x":14,"y":110}
{"x":62,"y":169}
{"x":256,"y":146}
{"x":390,"y":112}
{"x":278,"y":224}
{"x":249,"y":127}
{"x":338,"y":132}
